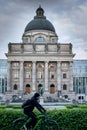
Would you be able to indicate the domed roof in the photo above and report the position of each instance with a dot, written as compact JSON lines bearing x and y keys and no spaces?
{"x":40,"y":22}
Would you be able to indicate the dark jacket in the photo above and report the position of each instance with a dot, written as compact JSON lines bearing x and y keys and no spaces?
{"x":32,"y":104}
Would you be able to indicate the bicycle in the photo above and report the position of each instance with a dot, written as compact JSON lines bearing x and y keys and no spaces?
{"x":44,"y":123}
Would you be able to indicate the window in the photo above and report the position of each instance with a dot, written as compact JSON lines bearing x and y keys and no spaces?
{"x":80,"y":97}
{"x":52,"y":76}
{"x":85,"y":68}
{"x":64,"y":64}
{"x":29,"y":65}
{"x":64,"y":75}
{"x":40,"y":39}
{"x":53,"y":40}
{"x":28,"y":75}
{"x":64,"y":87}
{"x":39,"y":75}
{"x":15,"y":74}
{"x":15,"y":87}
{"x":15,"y":64}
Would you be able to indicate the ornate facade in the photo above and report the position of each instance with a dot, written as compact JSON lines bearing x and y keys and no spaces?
{"x":40,"y":63}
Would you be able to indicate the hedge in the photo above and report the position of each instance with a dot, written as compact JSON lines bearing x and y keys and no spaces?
{"x":67,"y":119}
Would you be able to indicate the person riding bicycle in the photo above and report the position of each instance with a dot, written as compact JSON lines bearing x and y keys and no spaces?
{"x":29,"y":107}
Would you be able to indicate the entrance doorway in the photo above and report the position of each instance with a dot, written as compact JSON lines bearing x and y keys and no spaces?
{"x":40,"y":89}
{"x":28,"y":88}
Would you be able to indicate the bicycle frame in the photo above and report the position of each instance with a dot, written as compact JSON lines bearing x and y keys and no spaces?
{"x":42,"y":119}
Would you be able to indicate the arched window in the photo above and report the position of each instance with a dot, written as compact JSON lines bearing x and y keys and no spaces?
{"x":40,"y":39}
{"x":15,"y":87}
{"x":80,"y":97}
{"x":64,"y":87}
{"x":52,"y":88}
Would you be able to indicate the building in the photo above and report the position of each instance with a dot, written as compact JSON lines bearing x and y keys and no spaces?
{"x":3,"y":76}
{"x":80,"y":79}
{"x":40,"y":63}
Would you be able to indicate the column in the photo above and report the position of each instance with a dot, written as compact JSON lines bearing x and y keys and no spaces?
{"x":59,"y":76}
{"x":9,"y":77}
{"x":34,"y":76}
{"x":21,"y":76}
{"x":46,"y":76}
{"x":71,"y":76}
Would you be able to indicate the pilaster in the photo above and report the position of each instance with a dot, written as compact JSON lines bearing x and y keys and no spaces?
{"x":34,"y":76}
{"x":21,"y":76}
{"x":46,"y":76}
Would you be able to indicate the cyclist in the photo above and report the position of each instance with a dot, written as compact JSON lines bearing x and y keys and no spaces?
{"x":29,"y":107}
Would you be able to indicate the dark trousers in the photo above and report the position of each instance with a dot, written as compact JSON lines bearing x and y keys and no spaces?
{"x":33,"y":117}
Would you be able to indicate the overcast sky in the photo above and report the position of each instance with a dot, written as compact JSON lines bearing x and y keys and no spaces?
{"x":69,"y":18}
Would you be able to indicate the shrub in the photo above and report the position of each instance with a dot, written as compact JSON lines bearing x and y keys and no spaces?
{"x":71,"y":106}
{"x":69,"y":119}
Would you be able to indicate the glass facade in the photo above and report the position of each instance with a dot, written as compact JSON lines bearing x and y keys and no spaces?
{"x":80,"y":76}
{"x":3,"y":75}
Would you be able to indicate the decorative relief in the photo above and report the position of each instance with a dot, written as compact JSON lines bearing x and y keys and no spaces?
{"x":40,"y":48}
{"x":15,"y":48}
{"x":28,"y":48}
{"x":64,"y":47}
{"x":52,"y":48}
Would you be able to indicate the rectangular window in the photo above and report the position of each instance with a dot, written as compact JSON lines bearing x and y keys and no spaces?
{"x":15,"y":64}
{"x":64,"y":75}
{"x":39,"y":75}
{"x":15,"y":74}
{"x":52,"y":76}
{"x":28,"y":75}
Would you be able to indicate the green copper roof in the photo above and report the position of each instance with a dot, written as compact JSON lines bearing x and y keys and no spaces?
{"x":40,"y":22}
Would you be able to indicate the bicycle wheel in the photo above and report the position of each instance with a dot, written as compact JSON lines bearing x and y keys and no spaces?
{"x":19,"y":124}
{"x":49,"y":125}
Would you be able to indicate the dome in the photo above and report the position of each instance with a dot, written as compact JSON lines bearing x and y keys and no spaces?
{"x":40,"y":22}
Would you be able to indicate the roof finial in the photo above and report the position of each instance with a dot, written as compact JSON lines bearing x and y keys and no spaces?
{"x":39,"y":5}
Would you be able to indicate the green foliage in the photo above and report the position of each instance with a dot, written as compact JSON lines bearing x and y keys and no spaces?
{"x":83,"y":106}
{"x":7,"y":117}
{"x":10,"y":106}
{"x":73,"y":119}
{"x":70,"y":106}
{"x":69,"y":119}
{"x":2,"y":106}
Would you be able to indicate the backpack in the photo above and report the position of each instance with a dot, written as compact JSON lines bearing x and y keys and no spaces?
{"x":26,"y":103}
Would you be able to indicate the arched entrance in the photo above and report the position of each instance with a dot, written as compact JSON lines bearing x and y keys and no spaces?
{"x":52,"y":88}
{"x":28,"y":88}
{"x":40,"y":89}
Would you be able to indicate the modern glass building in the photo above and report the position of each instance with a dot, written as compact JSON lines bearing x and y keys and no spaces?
{"x":3,"y":75}
{"x":80,"y":79}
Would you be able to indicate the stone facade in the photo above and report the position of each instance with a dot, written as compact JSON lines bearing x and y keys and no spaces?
{"x":40,"y":64}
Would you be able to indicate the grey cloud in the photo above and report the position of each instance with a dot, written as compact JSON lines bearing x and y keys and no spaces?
{"x":68,"y":17}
